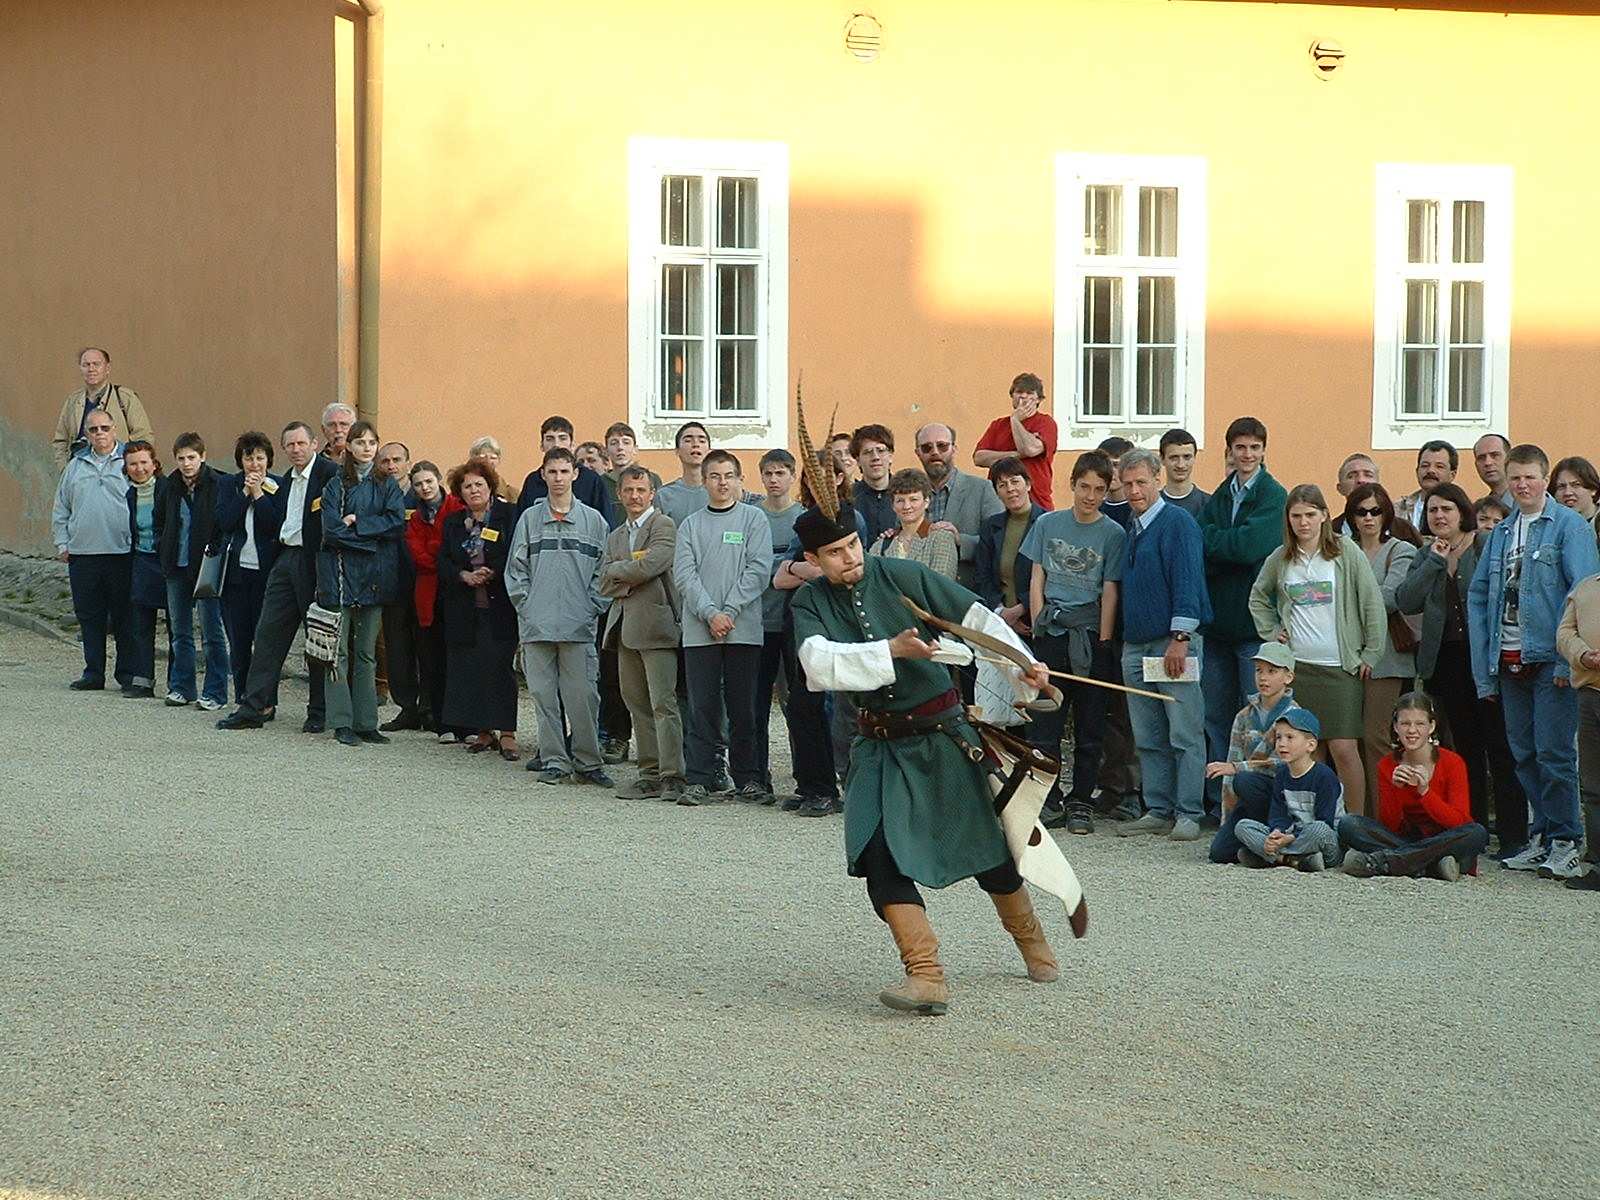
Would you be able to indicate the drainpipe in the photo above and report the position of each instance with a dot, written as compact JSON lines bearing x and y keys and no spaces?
{"x":369,"y":211}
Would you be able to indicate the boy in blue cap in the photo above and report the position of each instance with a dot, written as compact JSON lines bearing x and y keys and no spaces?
{"x":1307,"y":802}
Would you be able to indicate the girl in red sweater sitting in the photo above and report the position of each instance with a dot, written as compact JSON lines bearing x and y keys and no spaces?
{"x":1424,"y":823}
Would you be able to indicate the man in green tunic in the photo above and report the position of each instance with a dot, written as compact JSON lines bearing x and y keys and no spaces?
{"x":918,"y":808}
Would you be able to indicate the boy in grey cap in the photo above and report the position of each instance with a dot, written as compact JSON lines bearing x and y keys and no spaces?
{"x":1252,"y":758}
{"x":1307,"y":802}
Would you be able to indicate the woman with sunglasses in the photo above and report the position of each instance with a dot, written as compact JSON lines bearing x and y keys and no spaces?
{"x":1390,"y":544}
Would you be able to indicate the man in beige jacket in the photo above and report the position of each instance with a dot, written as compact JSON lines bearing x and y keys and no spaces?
{"x":643,"y":624}
{"x":128,"y":418}
{"x":1578,"y":641}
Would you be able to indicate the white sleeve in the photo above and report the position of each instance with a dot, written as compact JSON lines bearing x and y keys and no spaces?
{"x":846,"y":666}
{"x":999,"y":687}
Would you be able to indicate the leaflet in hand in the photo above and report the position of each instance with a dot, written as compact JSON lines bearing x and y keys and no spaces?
{"x":1155,"y":670}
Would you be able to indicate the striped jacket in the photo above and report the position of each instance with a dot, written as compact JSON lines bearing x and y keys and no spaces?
{"x":553,"y":572}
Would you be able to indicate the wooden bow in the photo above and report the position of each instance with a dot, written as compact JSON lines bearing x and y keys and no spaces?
{"x":978,"y":638}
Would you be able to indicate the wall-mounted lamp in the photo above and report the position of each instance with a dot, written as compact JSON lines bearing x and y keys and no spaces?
{"x":1327,"y":56}
{"x":863,"y":37}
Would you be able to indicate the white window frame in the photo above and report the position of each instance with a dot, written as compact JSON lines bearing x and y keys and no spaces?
{"x":1075,"y":173}
{"x":650,"y":158}
{"x":1396,"y":184}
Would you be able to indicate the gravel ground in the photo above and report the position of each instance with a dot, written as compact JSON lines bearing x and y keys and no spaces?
{"x":315,"y":971}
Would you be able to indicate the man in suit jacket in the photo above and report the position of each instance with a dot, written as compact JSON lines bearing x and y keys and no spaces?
{"x":960,"y":502}
{"x":643,"y":624}
{"x":291,"y":583}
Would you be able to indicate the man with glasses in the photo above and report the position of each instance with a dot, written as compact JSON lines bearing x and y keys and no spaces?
{"x":93,"y":536}
{"x":960,"y":502}
{"x":872,"y":446}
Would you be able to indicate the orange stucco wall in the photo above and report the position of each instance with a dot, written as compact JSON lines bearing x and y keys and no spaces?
{"x":922,"y":203}
{"x":166,"y":191}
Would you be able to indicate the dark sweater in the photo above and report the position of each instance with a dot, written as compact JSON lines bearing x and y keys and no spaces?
{"x":586,"y":486}
{"x":1235,"y":548}
{"x":1163,"y":577}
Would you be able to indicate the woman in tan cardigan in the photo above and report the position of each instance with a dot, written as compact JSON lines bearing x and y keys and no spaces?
{"x":914,"y":538}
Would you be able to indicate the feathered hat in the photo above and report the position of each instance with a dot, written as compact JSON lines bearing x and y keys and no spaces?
{"x":827,"y":520}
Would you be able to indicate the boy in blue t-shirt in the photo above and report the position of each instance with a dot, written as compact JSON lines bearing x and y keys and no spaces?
{"x":1307,"y":802}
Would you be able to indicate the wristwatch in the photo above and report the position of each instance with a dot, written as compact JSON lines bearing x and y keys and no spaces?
{"x":1180,"y":636}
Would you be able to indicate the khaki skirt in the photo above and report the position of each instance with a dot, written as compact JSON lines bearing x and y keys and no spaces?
{"x":1334,"y":695}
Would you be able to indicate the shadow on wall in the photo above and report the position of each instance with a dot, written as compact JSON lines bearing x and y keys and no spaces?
{"x":27,"y":487}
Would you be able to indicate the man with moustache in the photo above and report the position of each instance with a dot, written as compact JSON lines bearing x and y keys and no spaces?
{"x":1436,"y":463}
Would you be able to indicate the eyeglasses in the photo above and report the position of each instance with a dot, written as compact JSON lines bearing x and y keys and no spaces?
{"x":939,"y":447}
{"x":1369,"y":512}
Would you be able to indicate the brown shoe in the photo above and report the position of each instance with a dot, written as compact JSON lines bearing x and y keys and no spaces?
{"x":923,"y":990}
{"x":1016,"y":914}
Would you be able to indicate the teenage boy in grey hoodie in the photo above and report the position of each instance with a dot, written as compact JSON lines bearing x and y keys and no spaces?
{"x":553,"y":578}
{"x":722,"y":568}
{"x":90,"y":527}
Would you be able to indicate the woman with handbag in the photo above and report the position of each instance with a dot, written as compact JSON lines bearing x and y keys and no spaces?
{"x":147,"y":592}
{"x":480,"y":622}
{"x":1436,"y":587}
{"x":358,"y":570}
{"x":1317,"y":594}
{"x":1389,"y":546}
{"x":424,"y":529}
{"x":250,"y":512}
{"x":185,"y":524}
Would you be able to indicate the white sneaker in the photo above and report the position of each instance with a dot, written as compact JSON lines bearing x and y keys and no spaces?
{"x":177,"y":700}
{"x":1529,"y":858}
{"x":207,"y":705}
{"x":1562,"y":862}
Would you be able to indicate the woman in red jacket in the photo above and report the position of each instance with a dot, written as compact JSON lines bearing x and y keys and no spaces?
{"x":423,"y":531}
{"x":1424,"y":823}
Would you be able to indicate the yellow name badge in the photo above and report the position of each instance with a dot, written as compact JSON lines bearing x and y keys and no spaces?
{"x":269,"y":486}
{"x":410,"y":512}
{"x":638,"y":554}
{"x":491,"y":535}
{"x":316,"y":505}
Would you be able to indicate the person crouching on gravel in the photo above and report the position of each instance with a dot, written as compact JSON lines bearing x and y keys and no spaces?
{"x":1424,"y":823}
{"x":1307,"y":803}
{"x":1252,"y":760}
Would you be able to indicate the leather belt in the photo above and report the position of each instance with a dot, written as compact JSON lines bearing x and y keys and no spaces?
{"x":937,"y":713}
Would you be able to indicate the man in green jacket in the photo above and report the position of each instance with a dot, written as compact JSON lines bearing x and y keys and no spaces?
{"x":1242,"y":523}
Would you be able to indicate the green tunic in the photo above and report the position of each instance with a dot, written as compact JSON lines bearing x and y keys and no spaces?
{"x":932,"y":800}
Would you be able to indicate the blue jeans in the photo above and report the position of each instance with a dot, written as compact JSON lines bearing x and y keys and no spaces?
{"x":1171,"y":737}
{"x":1542,"y":729}
{"x":1254,"y":790}
{"x":181,"y":609}
{"x":1227,"y":679}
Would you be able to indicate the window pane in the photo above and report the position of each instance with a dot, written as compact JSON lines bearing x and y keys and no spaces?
{"x":736,"y":214}
{"x":1158,"y":310}
{"x":1102,"y":311}
{"x":1422,"y":312}
{"x":1419,"y":369}
{"x":682,"y":299}
{"x":1422,"y":231}
{"x":1468,"y":240}
{"x":1466,"y":313}
{"x":736,"y":376}
{"x":681,"y":211}
{"x":680,"y":375}
{"x":1158,"y":222}
{"x":736,"y":299}
{"x":1102,"y":383}
{"x":1102,"y":220}
{"x":1466,"y":381}
{"x":1155,"y":388}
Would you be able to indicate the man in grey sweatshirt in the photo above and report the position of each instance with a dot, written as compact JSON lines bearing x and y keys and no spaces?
{"x":722,"y":567}
{"x":553,"y":578}
{"x":94,"y":537}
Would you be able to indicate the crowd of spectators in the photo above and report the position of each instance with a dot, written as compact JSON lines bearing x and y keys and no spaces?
{"x":1400,"y":687}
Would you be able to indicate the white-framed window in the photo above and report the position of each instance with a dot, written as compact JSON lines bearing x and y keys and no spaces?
{"x":708,"y":290}
{"x":1130,"y":303}
{"x":1441,"y":357}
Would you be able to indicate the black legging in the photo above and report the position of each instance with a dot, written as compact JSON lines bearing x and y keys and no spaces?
{"x":887,"y":885}
{"x":1476,"y":730}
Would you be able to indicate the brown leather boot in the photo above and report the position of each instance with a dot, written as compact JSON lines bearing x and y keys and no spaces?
{"x":923,"y":990}
{"x":1016,"y":914}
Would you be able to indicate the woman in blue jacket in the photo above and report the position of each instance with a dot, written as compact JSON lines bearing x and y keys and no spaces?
{"x":358,"y":571}
{"x":147,"y":593}
{"x":250,"y":509}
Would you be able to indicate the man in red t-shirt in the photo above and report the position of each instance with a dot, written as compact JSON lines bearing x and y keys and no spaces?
{"x":1027,"y":434}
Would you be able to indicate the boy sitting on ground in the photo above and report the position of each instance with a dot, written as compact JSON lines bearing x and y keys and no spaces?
{"x":1307,"y":802}
{"x":1252,"y":751}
